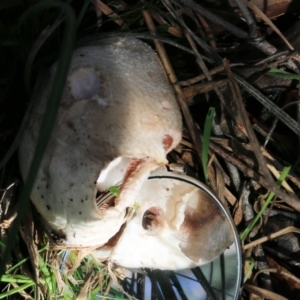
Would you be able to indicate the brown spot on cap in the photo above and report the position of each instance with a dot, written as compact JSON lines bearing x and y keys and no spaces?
{"x":167,"y":142}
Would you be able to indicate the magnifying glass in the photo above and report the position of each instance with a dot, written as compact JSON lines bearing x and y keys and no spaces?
{"x":207,"y":237}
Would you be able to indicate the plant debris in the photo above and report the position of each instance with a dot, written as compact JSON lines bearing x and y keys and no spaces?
{"x":236,"y":56}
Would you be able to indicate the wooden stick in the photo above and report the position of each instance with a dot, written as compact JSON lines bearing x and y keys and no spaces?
{"x":173,"y":79}
{"x":272,"y":236}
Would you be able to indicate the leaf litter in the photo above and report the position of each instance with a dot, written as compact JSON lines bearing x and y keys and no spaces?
{"x":248,"y":76}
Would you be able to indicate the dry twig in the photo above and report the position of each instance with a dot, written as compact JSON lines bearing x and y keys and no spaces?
{"x":272,"y":236}
{"x":270,"y":184}
{"x":173,"y":79}
{"x":263,"y":293}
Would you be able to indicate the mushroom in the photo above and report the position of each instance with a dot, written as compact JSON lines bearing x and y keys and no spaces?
{"x":117,"y":105}
{"x":117,"y":120}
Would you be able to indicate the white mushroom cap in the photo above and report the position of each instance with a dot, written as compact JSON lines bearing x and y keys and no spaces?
{"x":117,"y":103}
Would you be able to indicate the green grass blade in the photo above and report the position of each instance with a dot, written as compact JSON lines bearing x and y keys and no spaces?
{"x":24,"y":260}
{"x":82,"y":12}
{"x":47,"y":276}
{"x":16,"y":279}
{"x":16,"y":290}
{"x":283,"y":74}
{"x":206,"y":139}
{"x":271,"y":195}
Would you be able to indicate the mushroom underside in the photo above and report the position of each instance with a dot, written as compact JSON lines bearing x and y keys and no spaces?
{"x":175,"y":225}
